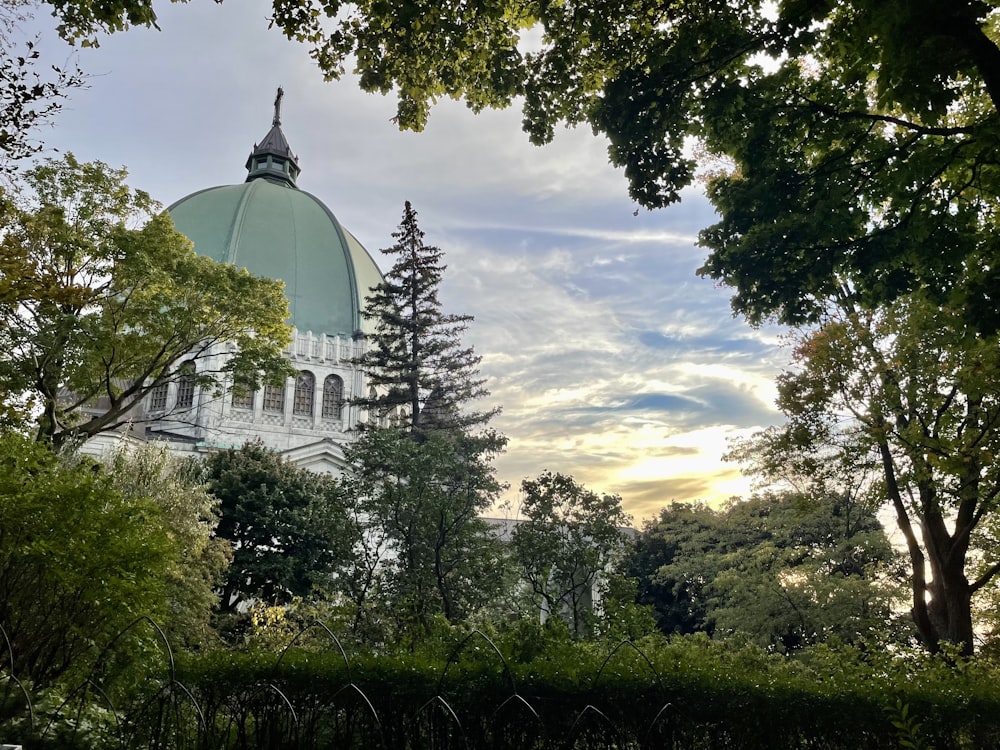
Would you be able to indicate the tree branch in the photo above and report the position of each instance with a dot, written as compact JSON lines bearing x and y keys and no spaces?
{"x":989,"y":575}
{"x":873,"y":117}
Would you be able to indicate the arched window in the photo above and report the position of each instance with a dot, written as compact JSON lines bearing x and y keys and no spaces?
{"x":158,"y":397}
{"x":185,"y":386}
{"x":333,"y":397}
{"x":274,"y":398}
{"x":305,"y":394}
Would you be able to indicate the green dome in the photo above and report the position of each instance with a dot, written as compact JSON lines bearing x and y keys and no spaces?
{"x":273,"y":229}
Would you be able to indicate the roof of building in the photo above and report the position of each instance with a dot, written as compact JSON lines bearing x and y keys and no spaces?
{"x":273,"y":229}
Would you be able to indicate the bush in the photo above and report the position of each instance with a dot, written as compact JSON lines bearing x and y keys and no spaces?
{"x":78,"y":563}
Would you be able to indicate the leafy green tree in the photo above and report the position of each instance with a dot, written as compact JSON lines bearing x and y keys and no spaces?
{"x":621,"y":616}
{"x":859,"y":135}
{"x":915,"y":387}
{"x":363,"y":584}
{"x":423,"y":377}
{"x":287,"y":526}
{"x":190,"y":518}
{"x":422,"y":501}
{"x":824,"y":571}
{"x":681,"y":532}
{"x":569,"y":538}
{"x":785,"y":570}
{"x":79,"y":561}
{"x":101,"y":301}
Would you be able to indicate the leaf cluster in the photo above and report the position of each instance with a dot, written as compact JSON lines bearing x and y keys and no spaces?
{"x":83,"y":20}
{"x":569,"y":537}
{"x":421,"y":502}
{"x":190,"y":519}
{"x":29,"y":96}
{"x":287,"y":526}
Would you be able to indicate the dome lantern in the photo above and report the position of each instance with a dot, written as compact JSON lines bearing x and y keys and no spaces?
{"x":272,"y":158}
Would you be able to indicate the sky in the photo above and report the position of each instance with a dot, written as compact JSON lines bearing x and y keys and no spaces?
{"x":612,"y":360}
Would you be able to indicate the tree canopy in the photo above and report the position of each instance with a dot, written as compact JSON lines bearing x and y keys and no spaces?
{"x":569,"y":538}
{"x":422,"y":500}
{"x":287,"y":526}
{"x":784,"y":570}
{"x":102,"y":300}
{"x":190,"y":517}
{"x":81,"y":20}
{"x":79,"y":561}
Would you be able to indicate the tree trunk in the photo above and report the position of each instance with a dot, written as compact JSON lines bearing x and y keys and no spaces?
{"x":950,"y":607}
{"x":960,"y":22}
{"x":441,"y":577}
{"x":950,"y":610}
{"x":947,"y":616}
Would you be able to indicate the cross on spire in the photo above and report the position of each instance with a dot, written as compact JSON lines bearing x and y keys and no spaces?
{"x":277,"y":107}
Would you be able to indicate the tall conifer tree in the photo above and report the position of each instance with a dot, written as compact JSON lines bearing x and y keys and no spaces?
{"x":416,"y":364}
{"x":423,"y":470}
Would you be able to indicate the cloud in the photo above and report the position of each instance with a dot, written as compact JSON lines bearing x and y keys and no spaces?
{"x":597,"y":364}
{"x":726,"y":345}
{"x":647,"y":497}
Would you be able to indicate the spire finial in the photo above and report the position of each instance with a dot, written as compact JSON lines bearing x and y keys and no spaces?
{"x":277,"y":107}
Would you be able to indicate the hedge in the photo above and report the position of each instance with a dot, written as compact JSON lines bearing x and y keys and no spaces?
{"x":685,"y":693}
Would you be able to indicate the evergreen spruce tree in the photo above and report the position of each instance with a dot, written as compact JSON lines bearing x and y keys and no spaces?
{"x":422,"y":470}
{"x":421,"y":376}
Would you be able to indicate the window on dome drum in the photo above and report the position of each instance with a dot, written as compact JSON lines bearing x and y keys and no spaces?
{"x":185,"y":386}
{"x":274,"y":398}
{"x":158,"y":397}
{"x":305,"y":391}
{"x":333,"y":397}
